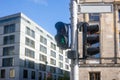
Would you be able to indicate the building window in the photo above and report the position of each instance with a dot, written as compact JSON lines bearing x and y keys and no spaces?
{"x":53,"y":46}
{"x":30,"y":32}
{"x":9,"y":28}
{"x":30,"y":42}
{"x":94,"y":17}
{"x":25,"y":73}
{"x":29,"y":64}
{"x":60,"y":64}
{"x":52,"y":61}
{"x":7,"y":62}
{"x":60,"y":50}
{"x":33,"y":75}
{"x":52,"y":69}
{"x":61,"y":57}
{"x":43,"y":49}
{"x":29,"y":53}
{"x":60,"y":71}
{"x":9,"y":39}
{"x":53,"y":54}
{"x":12,"y":73}
{"x":2,"y":73}
{"x":66,"y":60}
{"x":49,"y":37}
{"x":94,"y":75}
{"x":67,"y":67}
{"x":43,"y":58}
{"x":40,"y":76}
{"x":42,"y":67}
{"x":8,"y":51}
{"x":43,"y":40}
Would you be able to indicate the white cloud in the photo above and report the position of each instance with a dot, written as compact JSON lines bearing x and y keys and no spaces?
{"x":42,"y":2}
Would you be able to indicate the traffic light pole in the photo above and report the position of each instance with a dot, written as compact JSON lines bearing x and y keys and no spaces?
{"x":74,"y":62}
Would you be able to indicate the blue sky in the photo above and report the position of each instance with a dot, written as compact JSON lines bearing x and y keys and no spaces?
{"x":44,"y":12}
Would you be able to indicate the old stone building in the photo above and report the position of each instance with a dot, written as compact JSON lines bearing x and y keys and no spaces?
{"x":106,"y":64}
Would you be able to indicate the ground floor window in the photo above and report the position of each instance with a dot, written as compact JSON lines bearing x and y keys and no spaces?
{"x":25,"y":73}
{"x":12,"y":73}
{"x":94,"y":75}
{"x":33,"y":75}
{"x":40,"y":76}
{"x":2,"y":73}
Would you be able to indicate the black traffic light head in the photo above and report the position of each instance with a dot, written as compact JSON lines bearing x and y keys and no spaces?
{"x":93,"y":28}
{"x":62,"y":37}
{"x":62,"y":28}
{"x":62,"y":41}
{"x":90,"y":37}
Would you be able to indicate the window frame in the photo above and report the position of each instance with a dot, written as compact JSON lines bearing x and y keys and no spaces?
{"x":94,"y":17}
{"x":94,"y":75}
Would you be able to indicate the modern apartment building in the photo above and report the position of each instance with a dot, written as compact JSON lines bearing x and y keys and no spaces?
{"x":106,"y":66}
{"x":28,"y":52}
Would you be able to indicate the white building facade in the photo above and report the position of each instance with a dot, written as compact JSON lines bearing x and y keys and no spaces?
{"x":28,"y":52}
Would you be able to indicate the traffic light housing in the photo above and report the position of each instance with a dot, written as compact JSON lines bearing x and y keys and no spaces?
{"x":90,"y":38}
{"x":62,"y":37}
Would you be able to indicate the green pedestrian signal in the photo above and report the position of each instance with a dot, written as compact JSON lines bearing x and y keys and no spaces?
{"x":62,"y":35}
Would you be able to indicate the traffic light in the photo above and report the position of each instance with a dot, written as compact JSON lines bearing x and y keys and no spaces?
{"x":62,"y":37}
{"x":90,"y":38}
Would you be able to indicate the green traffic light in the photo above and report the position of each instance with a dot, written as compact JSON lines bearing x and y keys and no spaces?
{"x":62,"y":41}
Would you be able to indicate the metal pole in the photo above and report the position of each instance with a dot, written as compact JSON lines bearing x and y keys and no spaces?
{"x":74,"y":62}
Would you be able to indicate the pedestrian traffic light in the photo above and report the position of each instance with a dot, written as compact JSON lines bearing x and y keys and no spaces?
{"x":62,"y":35}
{"x":90,"y":38}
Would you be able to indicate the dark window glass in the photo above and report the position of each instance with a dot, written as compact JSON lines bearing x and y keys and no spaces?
{"x":53,"y":54}
{"x":30,"y":32}
{"x":7,"y":62}
{"x":2,"y":73}
{"x":33,"y":75}
{"x":42,"y":58}
{"x":29,"y":64}
{"x":52,"y":61}
{"x":40,"y":76}
{"x":9,"y":39}
{"x":94,"y":75}
{"x":8,"y":51}
{"x":60,"y":71}
{"x":42,"y":67}
{"x":25,"y":73}
{"x":52,"y":69}
{"x":43,"y":40}
{"x":43,"y":49}
{"x":60,"y":57}
{"x":53,"y":46}
{"x":30,"y":42}
{"x":94,"y":17}
{"x":9,"y":28}
{"x":29,"y":53}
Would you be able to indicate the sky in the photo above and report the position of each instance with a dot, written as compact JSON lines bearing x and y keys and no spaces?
{"x":43,"y":12}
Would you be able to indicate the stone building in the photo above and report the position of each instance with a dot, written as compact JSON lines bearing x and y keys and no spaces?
{"x":106,"y":65}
